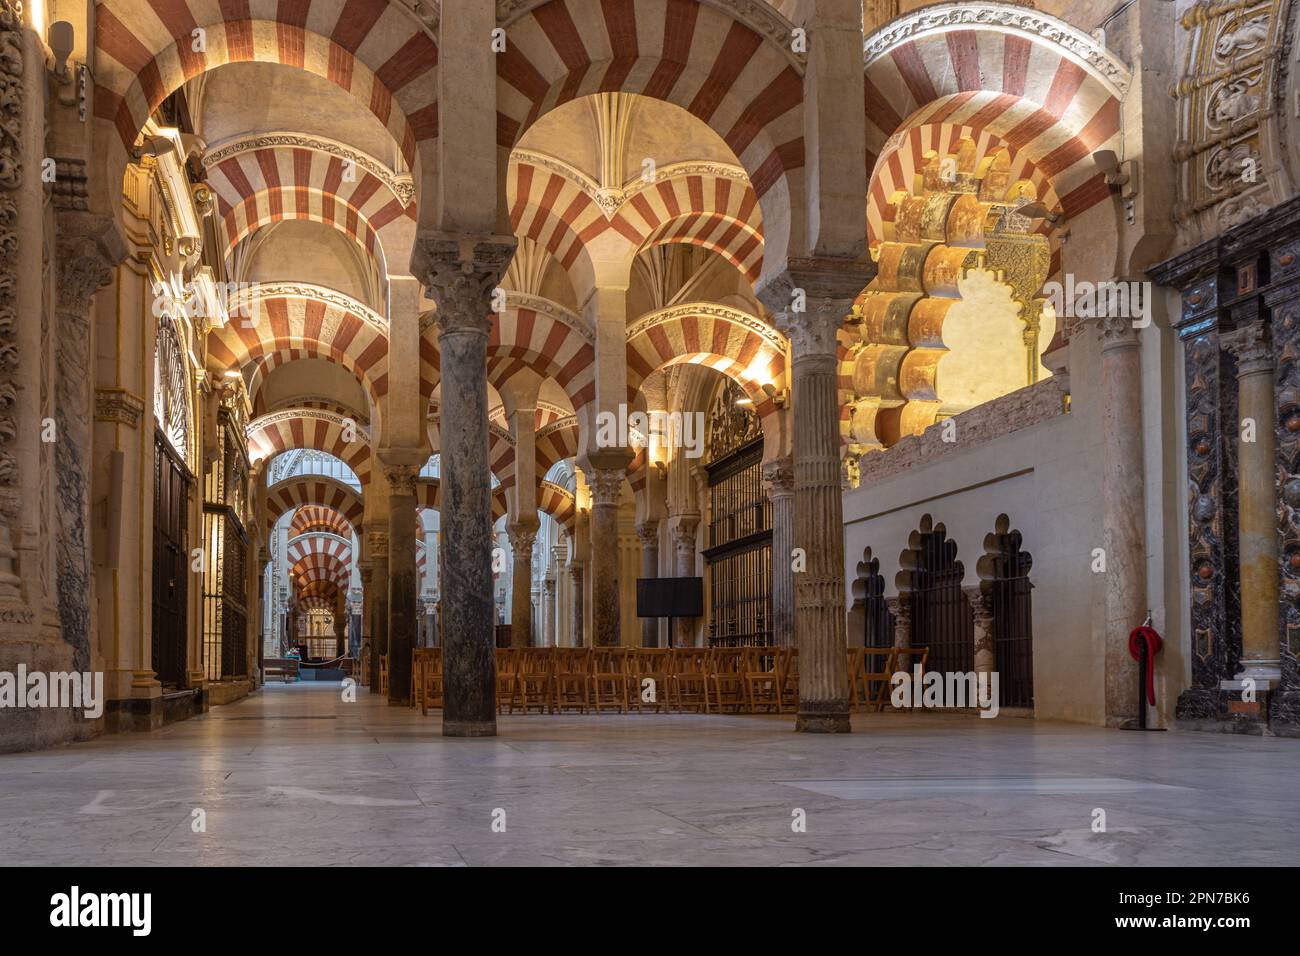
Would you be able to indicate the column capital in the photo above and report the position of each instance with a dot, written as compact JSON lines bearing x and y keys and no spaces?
{"x":1251,"y":345}
{"x":684,"y":530}
{"x":779,"y":475}
{"x":1115,"y":332}
{"x":88,"y":248}
{"x":522,"y":534}
{"x":460,"y":273}
{"x":605,"y":474}
{"x":377,"y":544}
{"x":811,"y":298}
{"x":647,"y":531}
{"x":401,"y":478}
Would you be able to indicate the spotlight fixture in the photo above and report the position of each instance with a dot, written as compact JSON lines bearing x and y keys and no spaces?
{"x":62,"y":39}
{"x":1037,"y":210}
{"x":154,"y":146}
{"x":779,"y":397}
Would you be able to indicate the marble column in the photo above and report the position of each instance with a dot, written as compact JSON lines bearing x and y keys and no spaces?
{"x":1123,"y":510}
{"x":403,"y":576}
{"x":522,"y":534}
{"x":579,"y":605}
{"x":367,"y":606}
{"x":377,"y":548}
{"x":684,"y":567}
{"x":647,"y":532}
{"x":1257,"y":546}
{"x":460,"y":274}
{"x":779,"y":475}
{"x":88,"y":248}
{"x":981,"y":604}
{"x":811,"y":300}
{"x":548,"y":612}
{"x":606,"y":487}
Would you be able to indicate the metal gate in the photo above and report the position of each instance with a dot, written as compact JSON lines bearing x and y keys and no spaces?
{"x":878,"y":622}
{"x":941,"y":615}
{"x":171,"y":493}
{"x":1013,"y":625}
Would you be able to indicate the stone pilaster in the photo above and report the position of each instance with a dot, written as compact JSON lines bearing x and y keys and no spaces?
{"x":1123,"y":509}
{"x":779,"y":475}
{"x":605,"y":477}
{"x":810,"y":301}
{"x":522,"y":534}
{"x":403,"y":575}
{"x":460,"y":273}
{"x":87,"y":250}
{"x":548,"y":612}
{"x":684,"y":564}
{"x":1257,"y":550}
{"x":647,"y":532}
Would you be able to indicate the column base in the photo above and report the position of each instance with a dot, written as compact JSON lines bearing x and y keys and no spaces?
{"x":823,"y":717}
{"x":1224,"y":710}
{"x":469,"y":728}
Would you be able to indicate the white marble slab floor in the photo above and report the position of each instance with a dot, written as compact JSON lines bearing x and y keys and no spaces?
{"x":296,"y":775}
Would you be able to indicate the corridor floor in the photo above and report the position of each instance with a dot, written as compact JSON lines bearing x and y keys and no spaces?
{"x":295,"y":775}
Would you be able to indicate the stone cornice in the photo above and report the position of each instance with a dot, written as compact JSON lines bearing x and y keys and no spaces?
{"x":1004,"y":18}
{"x":401,"y":185}
{"x":118,"y":405}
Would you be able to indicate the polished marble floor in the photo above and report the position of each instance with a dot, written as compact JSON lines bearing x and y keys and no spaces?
{"x":295,"y":775}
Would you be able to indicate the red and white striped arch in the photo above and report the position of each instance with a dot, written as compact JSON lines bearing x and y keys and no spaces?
{"x":279,"y":322}
{"x":375,"y":51}
{"x":311,"y":518}
{"x":501,"y":455}
{"x":730,"y":341}
{"x":309,"y":428}
{"x":546,"y":338}
{"x":256,"y":187}
{"x":705,"y":204}
{"x":307,"y":491}
{"x":1033,"y":81}
{"x":558,"y":503}
{"x":746,"y":86}
{"x":557,"y":441}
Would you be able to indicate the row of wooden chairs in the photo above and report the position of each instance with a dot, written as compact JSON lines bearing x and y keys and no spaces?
{"x":696,"y":680}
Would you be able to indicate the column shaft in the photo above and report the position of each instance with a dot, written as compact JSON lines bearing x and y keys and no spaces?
{"x":780,"y":491}
{"x":606,"y":485}
{"x":648,"y":534}
{"x":403,"y":581}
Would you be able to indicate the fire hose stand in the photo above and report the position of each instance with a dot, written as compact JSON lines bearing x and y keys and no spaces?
{"x":1143,"y":645}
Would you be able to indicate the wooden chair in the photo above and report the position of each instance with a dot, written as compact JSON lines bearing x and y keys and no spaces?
{"x":764,"y":678}
{"x":790,"y":680}
{"x":857,"y":691}
{"x":507,"y":677}
{"x":877,"y":673}
{"x":692,"y":673}
{"x":431,"y":694}
{"x":907,"y":659}
{"x":729,"y":679}
{"x":533,"y":681}
{"x":383,"y":675}
{"x":607,"y":679}
{"x":569,"y":683}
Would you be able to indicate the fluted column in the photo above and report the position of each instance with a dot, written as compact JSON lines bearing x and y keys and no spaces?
{"x":811,"y":300}
{"x":606,"y":486}
{"x":1257,"y":546}
{"x":579,"y":604}
{"x":522,"y":534}
{"x":460,"y":274}
{"x":548,"y":612}
{"x":779,"y":475}
{"x":377,"y":548}
{"x":403,"y":580}
{"x":981,"y":604}
{"x":1123,"y":509}
{"x":684,"y":567}
{"x":647,"y":532}
{"x":88,"y":248}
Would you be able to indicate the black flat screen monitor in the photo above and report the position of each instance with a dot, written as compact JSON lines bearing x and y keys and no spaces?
{"x":670,"y":597}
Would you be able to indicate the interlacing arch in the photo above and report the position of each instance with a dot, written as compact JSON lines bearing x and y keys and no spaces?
{"x":558,"y":503}
{"x":303,"y":491}
{"x":557,"y":441}
{"x":543,"y":336}
{"x":311,"y":518}
{"x":724,"y":338}
{"x":330,"y":548}
{"x":428,"y":494}
{"x":563,"y":210}
{"x":318,"y":566}
{"x":276,"y":322}
{"x":751,"y":92}
{"x":1039,"y":85}
{"x":308,"y":428}
{"x":376,"y":51}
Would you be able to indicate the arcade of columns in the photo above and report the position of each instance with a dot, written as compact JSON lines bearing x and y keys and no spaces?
{"x":73,"y":584}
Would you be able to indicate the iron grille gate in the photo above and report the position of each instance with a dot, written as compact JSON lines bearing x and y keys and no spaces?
{"x":941,"y":616}
{"x":225,"y":604}
{"x":739,"y":556}
{"x":878,"y":622}
{"x":1013,"y":627}
{"x":171,"y":572}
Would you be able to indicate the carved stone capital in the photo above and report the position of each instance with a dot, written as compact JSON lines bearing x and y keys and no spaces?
{"x":89,"y":247}
{"x":779,"y":475}
{"x":1252,"y":347}
{"x":521,"y":535}
{"x":401,"y":479}
{"x":377,"y":544}
{"x":1115,"y":332}
{"x":119,"y":406}
{"x":684,"y":530}
{"x":811,"y":299}
{"x":606,"y":485}
{"x":460,"y":273}
{"x":647,"y":532}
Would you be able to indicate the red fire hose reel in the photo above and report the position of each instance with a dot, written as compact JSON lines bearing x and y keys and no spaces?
{"x":1143,"y":646}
